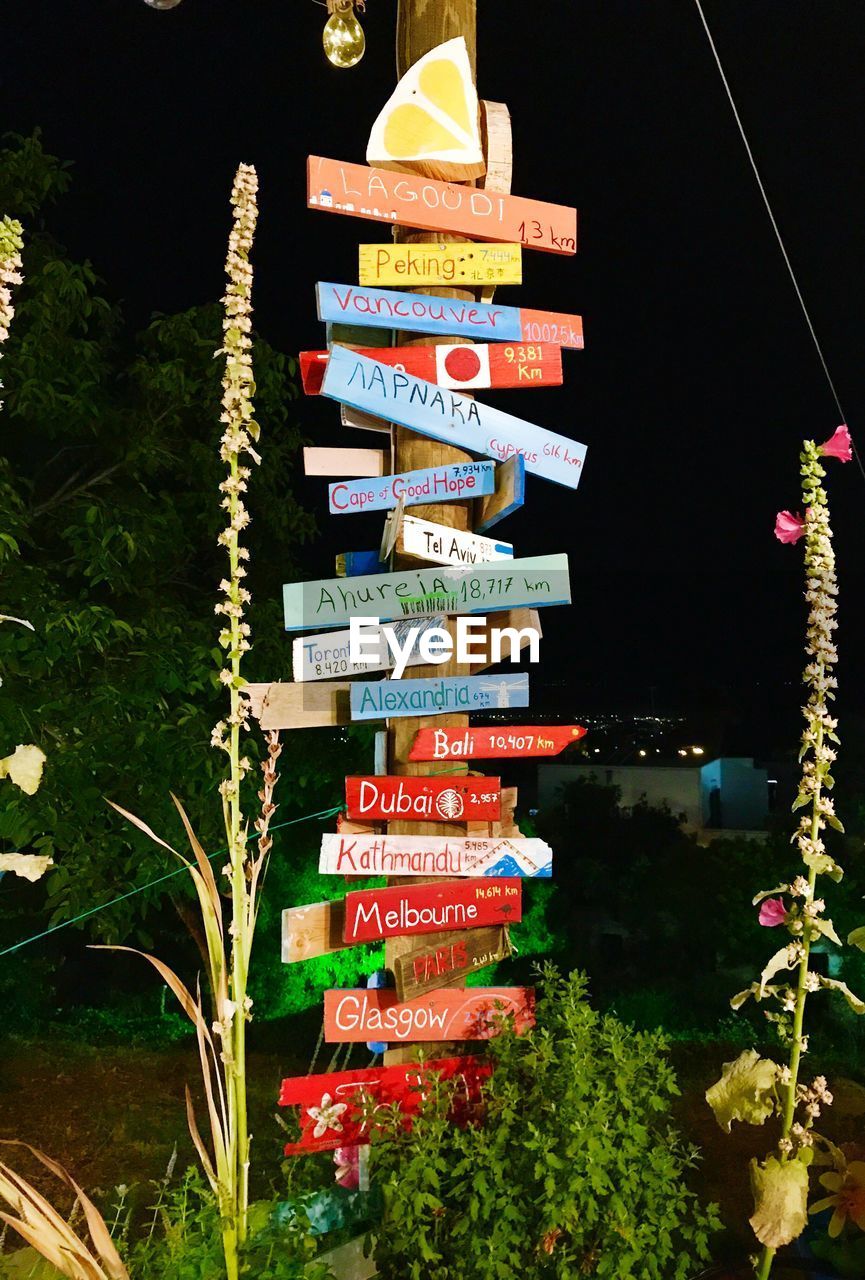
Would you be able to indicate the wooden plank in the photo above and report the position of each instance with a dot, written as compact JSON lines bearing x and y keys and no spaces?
{"x":530,"y":582}
{"x":316,"y":929}
{"x":499,"y":155}
{"x":355,"y":335}
{"x":450,"y":1013}
{"x":408,"y":910}
{"x":444,"y":317}
{"x":453,"y":483}
{"x":437,"y":543}
{"x":509,"y":494}
{"x":391,"y":855}
{"x":353,"y":564}
{"x":326,"y":656}
{"x":343,"y":462}
{"x":458,"y":366}
{"x":403,"y":1085}
{"x":358,"y":421}
{"x":494,"y":743}
{"x":449,"y":416}
{"x":381,"y":196}
{"x":387,"y":699}
{"x":428,"y":967}
{"x":423,"y":799}
{"x":428,"y":265}
{"x":303,"y":706}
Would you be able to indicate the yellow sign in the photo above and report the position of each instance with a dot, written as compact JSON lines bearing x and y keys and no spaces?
{"x":422,"y":265}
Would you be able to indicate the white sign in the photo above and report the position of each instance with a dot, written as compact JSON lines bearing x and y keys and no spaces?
{"x":450,"y":546}
{"x":328,"y":656}
{"x":351,"y":855}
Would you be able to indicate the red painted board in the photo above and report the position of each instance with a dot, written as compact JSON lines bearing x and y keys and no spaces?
{"x":409,"y":201}
{"x":403,"y":1084}
{"x":423,"y":799}
{"x":494,"y":743}
{"x":405,"y":910}
{"x":463,"y":367}
{"x":452,"y":1013}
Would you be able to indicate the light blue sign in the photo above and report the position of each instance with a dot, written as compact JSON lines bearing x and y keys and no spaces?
{"x":454,"y":483}
{"x":527,"y":583}
{"x":418,"y":312}
{"x":386,"y":699}
{"x":399,"y":397}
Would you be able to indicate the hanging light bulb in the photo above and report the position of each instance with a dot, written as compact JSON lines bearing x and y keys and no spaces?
{"x":162,"y":4}
{"x":343,"y":38}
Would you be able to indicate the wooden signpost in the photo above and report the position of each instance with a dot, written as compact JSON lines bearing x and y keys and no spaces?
{"x":533,"y":582}
{"x":359,"y":305}
{"x":457,"y":366}
{"x":368,"y":915}
{"x":428,"y":541}
{"x":447,"y":415}
{"x":314,"y":930}
{"x":350,"y":855}
{"x":508,"y":496}
{"x":402,"y":198}
{"x":423,"y":799}
{"x":332,"y":1105}
{"x":385,"y":699}
{"x":428,"y":967}
{"x":343,"y":462}
{"x":473,"y":1013}
{"x":424,"y":265}
{"x":494,"y":743}
{"x":433,"y":484}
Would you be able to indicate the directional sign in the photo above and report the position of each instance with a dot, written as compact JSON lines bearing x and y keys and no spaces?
{"x":532,"y":582}
{"x":427,"y":265}
{"x":473,"y":1013}
{"x":426,"y":799}
{"x":509,"y":495}
{"x":388,"y":699}
{"x":445,"y":317}
{"x":459,"y":367}
{"x":450,"y":417}
{"x":409,"y":201}
{"x":343,"y":462}
{"x":493,"y":743}
{"x":369,"y":915}
{"x":433,"y":965}
{"x":442,"y":545}
{"x":313,"y":930}
{"x":350,"y":855}
{"x":332,"y":1105}
{"x":452,"y":483}
{"x":352,"y":564}
{"x":299,"y":706}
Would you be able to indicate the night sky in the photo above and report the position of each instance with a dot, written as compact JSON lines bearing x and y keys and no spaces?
{"x":699,"y":378}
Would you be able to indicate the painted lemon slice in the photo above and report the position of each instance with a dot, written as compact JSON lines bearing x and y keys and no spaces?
{"x":430,"y":123}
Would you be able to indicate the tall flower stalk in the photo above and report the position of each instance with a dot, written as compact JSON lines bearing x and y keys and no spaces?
{"x":754,"y":1088}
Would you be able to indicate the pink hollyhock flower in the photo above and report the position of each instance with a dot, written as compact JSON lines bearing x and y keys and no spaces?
{"x":347,"y":1161}
{"x":789,"y":528}
{"x":772,"y":912}
{"x":838,"y":445}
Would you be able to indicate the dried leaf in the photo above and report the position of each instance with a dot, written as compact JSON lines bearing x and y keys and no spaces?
{"x":746,"y":1090}
{"x":24,"y":767}
{"x":834,"y":984}
{"x":30,"y":866}
{"x":142,"y":826}
{"x":780,"y":1201}
{"x":780,"y":960}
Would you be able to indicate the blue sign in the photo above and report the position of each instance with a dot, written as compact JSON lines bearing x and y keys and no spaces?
{"x":418,"y":312}
{"x":399,"y":397}
{"x":386,"y":699}
{"x":453,"y":483}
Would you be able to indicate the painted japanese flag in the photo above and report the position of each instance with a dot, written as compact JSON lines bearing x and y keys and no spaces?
{"x":461,"y":367}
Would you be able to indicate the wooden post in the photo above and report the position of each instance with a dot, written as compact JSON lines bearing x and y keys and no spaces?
{"x":421,"y":25}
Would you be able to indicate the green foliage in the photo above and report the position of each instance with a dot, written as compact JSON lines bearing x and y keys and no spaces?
{"x":574,"y":1169}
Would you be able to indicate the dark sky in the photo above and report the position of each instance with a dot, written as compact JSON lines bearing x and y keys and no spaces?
{"x":698,"y":380}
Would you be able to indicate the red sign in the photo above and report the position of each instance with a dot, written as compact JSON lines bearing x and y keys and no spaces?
{"x":332,"y":1104}
{"x":423,"y":799}
{"x":405,"y":910}
{"x":457,"y":367}
{"x":494,"y":743}
{"x":452,"y":1013}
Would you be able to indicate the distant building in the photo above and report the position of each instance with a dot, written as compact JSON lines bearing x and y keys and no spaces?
{"x":730,"y":794}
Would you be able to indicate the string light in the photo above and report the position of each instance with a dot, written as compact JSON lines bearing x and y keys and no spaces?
{"x":343,"y":39}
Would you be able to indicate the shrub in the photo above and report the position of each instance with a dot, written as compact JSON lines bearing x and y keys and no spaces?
{"x":574,"y":1169}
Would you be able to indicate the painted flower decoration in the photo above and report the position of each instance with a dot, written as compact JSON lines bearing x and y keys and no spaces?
{"x":347,"y":1161}
{"x":772,"y":913}
{"x":847,"y":1198}
{"x":839,"y":445}
{"x":327,"y":1116}
{"x":789,"y":527}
